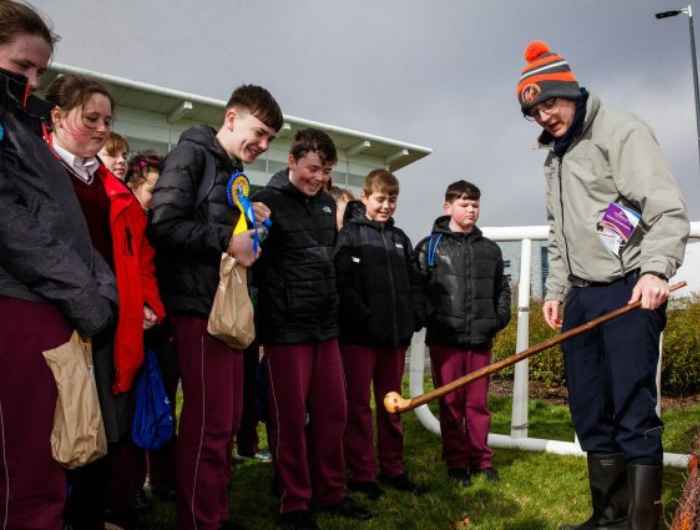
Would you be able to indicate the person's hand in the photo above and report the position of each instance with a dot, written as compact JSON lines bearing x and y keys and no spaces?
{"x":261,"y":211}
{"x":241,"y":247}
{"x":150,"y":319}
{"x":652,"y":290}
{"x":551,"y":310}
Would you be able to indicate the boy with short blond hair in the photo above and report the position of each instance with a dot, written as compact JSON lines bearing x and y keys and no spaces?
{"x":379,"y":310}
{"x":468,"y":300}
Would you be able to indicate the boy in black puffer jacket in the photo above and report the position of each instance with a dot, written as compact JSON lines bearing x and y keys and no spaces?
{"x":297,"y":324}
{"x":380,"y":301}
{"x":468,"y":300}
{"x":191,"y":226}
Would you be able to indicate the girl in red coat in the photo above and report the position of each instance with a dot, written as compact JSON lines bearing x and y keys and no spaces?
{"x":141,"y":176}
{"x":82,"y":121}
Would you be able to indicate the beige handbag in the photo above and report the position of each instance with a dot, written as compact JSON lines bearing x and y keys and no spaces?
{"x":231,"y":318}
{"x":78,"y":436}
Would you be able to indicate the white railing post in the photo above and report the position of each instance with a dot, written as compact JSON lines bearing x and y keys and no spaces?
{"x":518,"y":422}
{"x":416,"y":367}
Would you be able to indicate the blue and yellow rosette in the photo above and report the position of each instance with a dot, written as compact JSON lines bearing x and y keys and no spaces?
{"x":238,"y":196}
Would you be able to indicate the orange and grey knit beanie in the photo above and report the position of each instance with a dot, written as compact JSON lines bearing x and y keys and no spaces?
{"x":546,"y":75}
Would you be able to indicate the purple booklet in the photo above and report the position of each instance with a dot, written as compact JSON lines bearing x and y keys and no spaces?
{"x":616,"y":226}
{"x":620,"y":220}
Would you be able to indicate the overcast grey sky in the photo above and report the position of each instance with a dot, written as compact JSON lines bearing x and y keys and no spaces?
{"x":440,"y":73}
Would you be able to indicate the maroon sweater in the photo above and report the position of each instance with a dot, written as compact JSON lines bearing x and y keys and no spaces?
{"x":95,"y":205}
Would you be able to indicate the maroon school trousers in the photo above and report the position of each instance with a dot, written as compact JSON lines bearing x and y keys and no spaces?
{"x":212,"y":387}
{"x":383,"y":366}
{"x":464,"y":415}
{"x":247,"y":437}
{"x":32,"y":483}
{"x":307,"y":379}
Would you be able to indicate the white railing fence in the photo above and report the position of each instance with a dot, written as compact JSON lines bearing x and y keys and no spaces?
{"x":518,"y":438}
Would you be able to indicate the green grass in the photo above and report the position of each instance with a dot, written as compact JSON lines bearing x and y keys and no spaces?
{"x":536,"y":491}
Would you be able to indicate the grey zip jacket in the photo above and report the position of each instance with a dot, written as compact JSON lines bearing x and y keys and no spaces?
{"x":615,"y":158}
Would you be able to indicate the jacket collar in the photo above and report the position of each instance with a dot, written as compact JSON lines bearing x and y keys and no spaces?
{"x":205,"y":136}
{"x":84,"y":168}
{"x":15,"y":88}
{"x":280,"y":181}
{"x":120,"y":196}
{"x":374,"y":224}
{"x":545,"y":140}
{"x":16,"y":92}
{"x":442,"y":226}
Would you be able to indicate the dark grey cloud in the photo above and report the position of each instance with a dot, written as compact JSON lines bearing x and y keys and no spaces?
{"x":439,"y":73}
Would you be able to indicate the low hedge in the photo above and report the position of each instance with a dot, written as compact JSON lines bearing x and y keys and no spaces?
{"x":680,"y":373}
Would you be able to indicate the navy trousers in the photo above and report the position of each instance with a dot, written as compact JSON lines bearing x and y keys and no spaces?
{"x":611,"y":373}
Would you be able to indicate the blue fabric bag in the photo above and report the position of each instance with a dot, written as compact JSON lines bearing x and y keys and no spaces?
{"x":153,"y":422}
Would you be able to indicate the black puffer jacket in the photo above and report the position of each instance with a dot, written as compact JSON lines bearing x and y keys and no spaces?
{"x":295,"y":275}
{"x":467,"y":294}
{"x":190,"y":228}
{"x":45,"y":249}
{"x":378,"y":283}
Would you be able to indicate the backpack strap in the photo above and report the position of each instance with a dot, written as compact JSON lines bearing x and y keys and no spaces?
{"x":433,"y":243}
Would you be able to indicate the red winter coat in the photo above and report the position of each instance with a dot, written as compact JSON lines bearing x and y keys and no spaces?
{"x":136,"y":280}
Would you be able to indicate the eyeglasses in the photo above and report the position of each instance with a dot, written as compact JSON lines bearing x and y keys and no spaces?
{"x":546,"y":108}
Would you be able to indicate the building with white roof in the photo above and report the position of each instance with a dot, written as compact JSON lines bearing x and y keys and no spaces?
{"x":153,"y":117}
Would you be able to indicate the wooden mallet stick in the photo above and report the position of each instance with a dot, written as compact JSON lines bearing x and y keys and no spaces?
{"x":394,"y":403}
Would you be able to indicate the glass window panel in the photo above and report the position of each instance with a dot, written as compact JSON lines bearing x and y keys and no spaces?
{"x":274,"y":166}
{"x":259,"y":165}
{"x":356,"y":180}
{"x":139,"y":144}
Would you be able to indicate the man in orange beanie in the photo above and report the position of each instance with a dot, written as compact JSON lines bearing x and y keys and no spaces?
{"x":618,"y":227}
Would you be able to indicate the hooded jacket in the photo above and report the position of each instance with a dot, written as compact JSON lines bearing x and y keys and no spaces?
{"x":467,"y":295}
{"x":190,"y":228}
{"x":378,"y":282}
{"x":615,"y":158}
{"x":46,"y":254}
{"x":295,"y":275}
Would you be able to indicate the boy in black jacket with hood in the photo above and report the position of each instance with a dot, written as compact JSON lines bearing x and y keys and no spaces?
{"x":297,"y":324}
{"x":380,"y":296}
{"x":469,"y":302}
{"x":191,"y":226}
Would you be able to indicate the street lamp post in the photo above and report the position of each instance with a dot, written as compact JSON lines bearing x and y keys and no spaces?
{"x":689,"y":11}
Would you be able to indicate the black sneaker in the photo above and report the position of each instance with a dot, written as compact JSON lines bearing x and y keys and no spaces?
{"x":298,"y":520}
{"x":460,"y":475}
{"x":490,"y":473}
{"x":348,"y":508}
{"x":370,"y":488}
{"x":402,"y":483}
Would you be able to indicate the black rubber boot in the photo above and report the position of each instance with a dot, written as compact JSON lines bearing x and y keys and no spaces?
{"x":645,"y":496}
{"x":607,"y":477}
